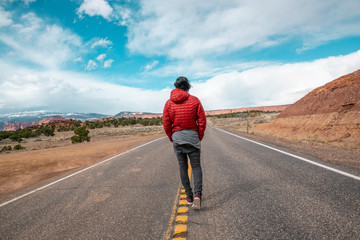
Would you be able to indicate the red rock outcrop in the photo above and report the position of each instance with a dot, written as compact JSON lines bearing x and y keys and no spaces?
{"x":330,"y":113}
{"x":16,"y":126}
{"x":51,"y":119}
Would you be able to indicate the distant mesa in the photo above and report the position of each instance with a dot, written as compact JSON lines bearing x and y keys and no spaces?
{"x":22,"y":120}
{"x":278,"y":108}
{"x":138,"y":115}
{"x":330,"y":113}
{"x":16,"y":126}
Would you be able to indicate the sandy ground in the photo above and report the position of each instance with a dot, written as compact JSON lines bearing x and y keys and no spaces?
{"x":47,"y":157}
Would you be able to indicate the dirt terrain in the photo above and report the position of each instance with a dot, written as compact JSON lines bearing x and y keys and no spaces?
{"x":47,"y":157}
{"x":328,"y":114}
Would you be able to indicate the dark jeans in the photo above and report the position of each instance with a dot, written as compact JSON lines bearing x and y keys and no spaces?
{"x":182,"y":152}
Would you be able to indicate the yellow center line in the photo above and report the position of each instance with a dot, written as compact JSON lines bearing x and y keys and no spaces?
{"x":181,"y":221}
{"x":177,"y":228}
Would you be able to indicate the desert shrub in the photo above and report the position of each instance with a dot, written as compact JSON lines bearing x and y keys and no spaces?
{"x":16,"y":137}
{"x":76,"y":139}
{"x":125,"y":122}
{"x":61,"y":129}
{"x":145,"y":122}
{"x":81,"y":135}
{"x":157,"y":121}
{"x":77,"y":123}
{"x":99,"y":124}
{"x":132,"y":121}
{"x":48,"y":131}
{"x":6,"y":148}
{"x":5,"y":134}
{"x":18,"y":147}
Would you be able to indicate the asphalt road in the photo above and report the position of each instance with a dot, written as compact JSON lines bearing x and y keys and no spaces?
{"x":250,"y":192}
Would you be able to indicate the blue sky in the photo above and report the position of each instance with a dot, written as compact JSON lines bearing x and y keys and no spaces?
{"x":111,"y":56}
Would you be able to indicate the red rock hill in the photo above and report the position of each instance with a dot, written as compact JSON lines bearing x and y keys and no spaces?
{"x":330,"y":113}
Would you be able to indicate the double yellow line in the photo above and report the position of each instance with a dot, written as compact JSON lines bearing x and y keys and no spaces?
{"x":179,"y":215}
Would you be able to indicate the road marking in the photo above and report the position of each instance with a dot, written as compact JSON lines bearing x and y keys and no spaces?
{"x":76,"y":173}
{"x":180,"y":210}
{"x":295,"y":156}
{"x":181,"y":219}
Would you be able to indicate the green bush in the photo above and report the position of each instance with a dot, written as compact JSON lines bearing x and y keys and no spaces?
{"x":4,"y":134}
{"x":48,"y":132}
{"x":99,"y":124}
{"x":81,"y":135}
{"x":16,"y":137}
{"x":76,"y":139}
{"x":6,"y":148}
{"x":18,"y":147}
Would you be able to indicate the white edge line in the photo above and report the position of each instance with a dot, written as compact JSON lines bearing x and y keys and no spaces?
{"x":295,"y":156}
{"x":75,"y":173}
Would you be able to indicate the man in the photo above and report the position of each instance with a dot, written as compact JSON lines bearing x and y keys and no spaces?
{"x":184,"y":123}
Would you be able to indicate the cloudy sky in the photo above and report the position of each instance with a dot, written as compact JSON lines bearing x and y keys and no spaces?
{"x":107,"y":56}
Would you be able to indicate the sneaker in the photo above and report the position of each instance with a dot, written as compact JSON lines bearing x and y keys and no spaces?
{"x":197,"y":202}
{"x":189,"y":200}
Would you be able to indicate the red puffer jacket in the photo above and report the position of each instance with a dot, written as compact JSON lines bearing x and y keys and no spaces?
{"x":183,"y":112}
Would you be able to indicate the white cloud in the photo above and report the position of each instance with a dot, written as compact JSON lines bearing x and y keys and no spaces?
{"x":122,"y":15}
{"x":272,"y":85}
{"x":101,"y":57}
{"x":27,"y":2}
{"x":102,"y":43}
{"x":108,"y":63}
{"x":95,"y":8}
{"x":5,"y":18}
{"x":92,"y":65}
{"x":23,"y":88}
{"x":33,"y":41}
{"x":79,"y":59}
{"x":151,"y":66}
{"x":185,"y":29}
{"x":202,"y":69}
{"x":71,"y":92}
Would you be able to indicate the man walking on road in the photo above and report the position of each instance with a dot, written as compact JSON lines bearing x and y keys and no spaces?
{"x":184,"y":123}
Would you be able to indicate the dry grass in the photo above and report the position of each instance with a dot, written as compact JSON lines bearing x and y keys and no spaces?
{"x":240,"y":124}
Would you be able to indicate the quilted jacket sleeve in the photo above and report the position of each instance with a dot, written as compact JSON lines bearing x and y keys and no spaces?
{"x":167,"y":121}
{"x":201,"y":120}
